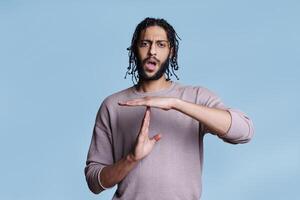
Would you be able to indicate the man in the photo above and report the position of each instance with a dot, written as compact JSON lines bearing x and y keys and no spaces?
{"x":148,"y":139}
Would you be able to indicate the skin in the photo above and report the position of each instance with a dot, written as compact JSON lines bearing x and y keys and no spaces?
{"x":218,"y":121}
{"x":153,"y":42}
{"x":156,"y":47}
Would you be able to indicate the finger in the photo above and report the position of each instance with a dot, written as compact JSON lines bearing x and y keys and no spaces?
{"x":156,"y":138}
{"x":130,"y":104}
{"x":146,"y":122}
{"x":122,"y":103}
{"x":133,"y":102}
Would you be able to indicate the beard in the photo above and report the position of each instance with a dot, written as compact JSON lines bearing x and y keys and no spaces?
{"x":144,"y":77}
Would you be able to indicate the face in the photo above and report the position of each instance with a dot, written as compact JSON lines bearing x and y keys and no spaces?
{"x":153,"y":53}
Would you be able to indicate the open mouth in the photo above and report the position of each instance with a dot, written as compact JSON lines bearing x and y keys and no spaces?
{"x":151,"y":64}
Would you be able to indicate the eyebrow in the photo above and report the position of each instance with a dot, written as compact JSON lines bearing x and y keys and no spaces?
{"x":156,"y":40}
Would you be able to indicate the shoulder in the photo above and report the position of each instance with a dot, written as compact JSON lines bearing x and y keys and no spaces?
{"x":196,"y":90}
{"x":199,"y":94}
{"x":113,"y":99}
{"x":109,"y":106}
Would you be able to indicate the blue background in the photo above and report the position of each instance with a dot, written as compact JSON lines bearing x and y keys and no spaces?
{"x":60,"y":59}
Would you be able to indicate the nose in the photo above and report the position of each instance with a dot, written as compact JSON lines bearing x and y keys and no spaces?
{"x":152,"y":50}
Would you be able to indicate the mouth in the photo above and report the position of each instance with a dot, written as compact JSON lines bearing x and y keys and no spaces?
{"x":151,"y":65}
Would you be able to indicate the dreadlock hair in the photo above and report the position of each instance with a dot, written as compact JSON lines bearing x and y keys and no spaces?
{"x":172,"y":38}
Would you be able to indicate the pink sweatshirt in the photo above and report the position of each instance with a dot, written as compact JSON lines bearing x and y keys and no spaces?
{"x":173,"y":169}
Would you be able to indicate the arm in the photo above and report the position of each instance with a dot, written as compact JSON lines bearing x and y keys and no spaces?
{"x":218,"y":121}
{"x":113,"y":174}
{"x":231,"y":125}
{"x":102,"y":176}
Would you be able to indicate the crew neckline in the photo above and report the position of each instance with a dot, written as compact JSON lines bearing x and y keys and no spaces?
{"x":162,"y":91}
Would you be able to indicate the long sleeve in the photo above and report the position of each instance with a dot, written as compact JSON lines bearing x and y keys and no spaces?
{"x":100,"y":153}
{"x":241,"y":129}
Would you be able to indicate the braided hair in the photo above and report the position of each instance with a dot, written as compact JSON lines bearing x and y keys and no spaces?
{"x":133,"y":50}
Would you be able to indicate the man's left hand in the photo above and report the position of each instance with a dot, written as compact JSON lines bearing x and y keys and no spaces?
{"x":165,"y":103}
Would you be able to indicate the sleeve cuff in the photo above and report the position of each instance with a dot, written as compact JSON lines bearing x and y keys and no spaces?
{"x":99,"y":181}
{"x":239,"y":130}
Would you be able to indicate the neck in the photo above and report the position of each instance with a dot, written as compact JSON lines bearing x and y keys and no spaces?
{"x":154,"y":85}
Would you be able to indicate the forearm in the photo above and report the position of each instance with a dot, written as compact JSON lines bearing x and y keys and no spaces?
{"x":218,"y":121}
{"x":113,"y":174}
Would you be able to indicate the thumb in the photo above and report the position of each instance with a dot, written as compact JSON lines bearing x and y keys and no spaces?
{"x":156,"y":138}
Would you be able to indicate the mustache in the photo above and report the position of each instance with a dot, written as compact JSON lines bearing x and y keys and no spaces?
{"x":146,"y":59}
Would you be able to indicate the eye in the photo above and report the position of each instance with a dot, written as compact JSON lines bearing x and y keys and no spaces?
{"x":161,"y":45}
{"x":144,"y":44}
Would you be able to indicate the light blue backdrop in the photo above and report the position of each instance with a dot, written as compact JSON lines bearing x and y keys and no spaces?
{"x":60,"y":59}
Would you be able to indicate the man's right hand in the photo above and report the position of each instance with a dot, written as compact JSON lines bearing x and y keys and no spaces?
{"x":113,"y":174}
{"x":144,"y":144}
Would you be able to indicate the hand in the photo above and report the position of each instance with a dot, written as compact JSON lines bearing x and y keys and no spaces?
{"x":165,"y":103}
{"x":144,"y":144}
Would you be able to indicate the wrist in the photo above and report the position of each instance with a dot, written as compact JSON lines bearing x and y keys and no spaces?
{"x":131,"y":159}
{"x":176,"y":103}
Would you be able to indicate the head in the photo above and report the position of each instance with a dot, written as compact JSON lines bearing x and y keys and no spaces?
{"x":154,"y":47}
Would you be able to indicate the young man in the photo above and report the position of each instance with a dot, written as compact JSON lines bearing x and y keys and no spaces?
{"x":148,"y":139}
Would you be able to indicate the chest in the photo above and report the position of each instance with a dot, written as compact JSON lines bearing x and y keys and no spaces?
{"x":175,"y":127}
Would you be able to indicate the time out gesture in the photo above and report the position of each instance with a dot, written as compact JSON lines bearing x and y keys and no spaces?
{"x":217,"y":120}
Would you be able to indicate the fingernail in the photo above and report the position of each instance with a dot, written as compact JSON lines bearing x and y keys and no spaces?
{"x":157,"y":137}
